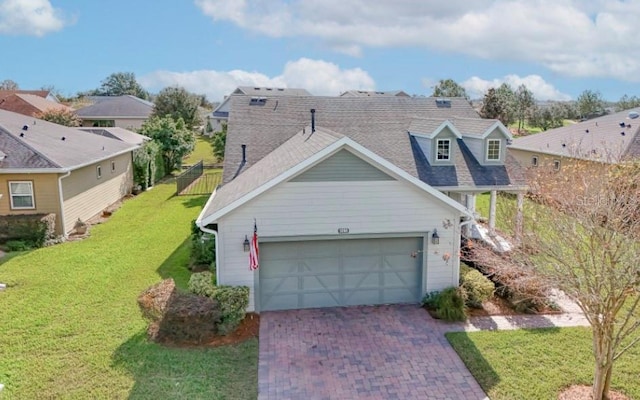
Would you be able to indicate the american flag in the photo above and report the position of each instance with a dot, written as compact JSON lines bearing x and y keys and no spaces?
{"x":253,"y":252}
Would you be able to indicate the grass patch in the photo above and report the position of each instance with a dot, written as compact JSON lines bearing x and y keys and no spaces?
{"x":202,"y":151}
{"x":538,"y":363}
{"x":71,"y":327}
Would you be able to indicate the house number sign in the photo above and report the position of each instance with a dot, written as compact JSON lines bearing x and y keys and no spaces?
{"x":343,"y":230}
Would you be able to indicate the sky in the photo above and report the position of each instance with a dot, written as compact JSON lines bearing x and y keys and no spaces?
{"x":558,"y":48}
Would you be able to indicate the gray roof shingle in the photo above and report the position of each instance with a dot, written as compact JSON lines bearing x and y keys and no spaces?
{"x":117,"y":106}
{"x":121,"y":134}
{"x":42,"y":144}
{"x":270,"y":91}
{"x":598,"y":139}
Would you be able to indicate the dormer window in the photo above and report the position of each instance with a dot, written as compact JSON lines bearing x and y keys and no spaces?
{"x":443,"y":150}
{"x":493,"y":150}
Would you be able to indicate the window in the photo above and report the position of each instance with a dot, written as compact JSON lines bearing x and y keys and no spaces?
{"x":534,"y":161}
{"x":99,"y":171}
{"x":556,"y":165}
{"x":21,"y":195}
{"x":493,"y":150}
{"x":443,"y":150}
{"x":113,"y":167}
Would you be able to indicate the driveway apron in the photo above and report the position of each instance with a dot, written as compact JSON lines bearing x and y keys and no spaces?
{"x":368,"y":352}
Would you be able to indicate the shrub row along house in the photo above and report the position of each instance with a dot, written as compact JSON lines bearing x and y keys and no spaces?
{"x":357,"y":200}
{"x":47,"y":168}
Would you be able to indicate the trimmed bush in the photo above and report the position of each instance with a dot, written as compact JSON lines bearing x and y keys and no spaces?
{"x":153,"y":301}
{"x":202,"y":284}
{"x":203,"y":246}
{"x":477,"y":287}
{"x":233,"y":302}
{"x":17,"y":245}
{"x":448,"y":305}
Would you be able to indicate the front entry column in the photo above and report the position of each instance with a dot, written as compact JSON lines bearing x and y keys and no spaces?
{"x":492,"y":211}
{"x":519,"y":217}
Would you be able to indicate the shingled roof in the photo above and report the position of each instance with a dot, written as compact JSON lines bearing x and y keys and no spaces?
{"x":126,"y":106}
{"x":609,"y":138}
{"x":45,"y":145}
{"x":29,"y":104}
{"x":380,"y":124}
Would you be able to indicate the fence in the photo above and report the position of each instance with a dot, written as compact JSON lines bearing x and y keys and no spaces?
{"x":189,"y":176}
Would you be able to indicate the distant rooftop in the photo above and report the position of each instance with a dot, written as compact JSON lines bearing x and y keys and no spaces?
{"x":373,"y":93}
{"x":127,"y":106}
{"x":269,"y":91}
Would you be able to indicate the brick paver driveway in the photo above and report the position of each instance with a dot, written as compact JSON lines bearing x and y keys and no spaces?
{"x":378,"y":352}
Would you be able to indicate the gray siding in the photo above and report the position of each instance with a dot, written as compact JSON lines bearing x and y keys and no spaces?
{"x":341,"y":167}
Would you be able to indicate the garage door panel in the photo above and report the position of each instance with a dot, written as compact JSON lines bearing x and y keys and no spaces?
{"x":339,"y":273}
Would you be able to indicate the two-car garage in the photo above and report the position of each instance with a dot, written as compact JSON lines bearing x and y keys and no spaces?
{"x":344,"y":272}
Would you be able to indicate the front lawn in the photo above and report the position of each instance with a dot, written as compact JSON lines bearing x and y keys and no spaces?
{"x":70,"y":325}
{"x":539,"y":363}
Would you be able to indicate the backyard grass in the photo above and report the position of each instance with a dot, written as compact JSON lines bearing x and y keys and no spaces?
{"x":539,"y":363}
{"x":70,"y":325}
{"x":202,"y":151}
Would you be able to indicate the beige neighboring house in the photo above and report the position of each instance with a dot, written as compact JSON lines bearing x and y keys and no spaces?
{"x":128,"y":112}
{"x":607,"y":139}
{"x":49,"y":168}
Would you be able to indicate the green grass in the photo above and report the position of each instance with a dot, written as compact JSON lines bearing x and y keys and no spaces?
{"x":202,"y":151}
{"x":539,"y":363}
{"x":70,"y":325}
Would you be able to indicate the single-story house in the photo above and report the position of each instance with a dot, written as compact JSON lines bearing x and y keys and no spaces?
{"x":127,"y":111}
{"x":607,"y":139}
{"x":357,"y":200}
{"x":220,"y":114}
{"x":50,"y":168}
{"x":29,"y":104}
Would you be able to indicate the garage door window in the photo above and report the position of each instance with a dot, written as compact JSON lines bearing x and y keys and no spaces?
{"x":21,"y":194}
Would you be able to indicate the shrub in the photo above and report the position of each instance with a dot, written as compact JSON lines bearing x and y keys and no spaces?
{"x":233,"y":302}
{"x":478,"y":288}
{"x":153,"y":301}
{"x":448,"y":304}
{"x":202,"y":284}
{"x":17,"y":245}
{"x":203,"y":246}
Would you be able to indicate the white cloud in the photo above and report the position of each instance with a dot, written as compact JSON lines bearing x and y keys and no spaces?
{"x":29,"y":17}
{"x":542,"y":90}
{"x":581,"y":38}
{"x":317,"y":76}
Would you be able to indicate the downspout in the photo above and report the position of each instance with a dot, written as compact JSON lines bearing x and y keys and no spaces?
{"x":64,"y":228}
{"x":215,"y":238}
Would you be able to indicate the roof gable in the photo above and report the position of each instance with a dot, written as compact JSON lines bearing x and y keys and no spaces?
{"x":301,"y":153}
{"x":127,"y":106}
{"x":343,"y":166}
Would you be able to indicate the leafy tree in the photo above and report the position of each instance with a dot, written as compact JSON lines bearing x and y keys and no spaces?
{"x":9,"y":84}
{"x":586,"y":233}
{"x":119,"y":84}
{"x":524,"y":100}
{"x":177,"y":102}
{"x":627,"y":102}
{"x":546,"y":117}
{"x":144,"y":164}
{"x":219,"y":142}
{"x":498,"y":104}
{"x":590,"y":104}
{"x":449,"y":88}
{"x":60,"y":116}
{"x":173,"y":137}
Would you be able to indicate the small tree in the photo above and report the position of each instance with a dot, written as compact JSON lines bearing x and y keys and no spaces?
{"x":173,"y":137}
{"x":119,"y":84}
{"x":219,"y":142}
{"x":524,"y":100}
{"x":9,"y":84}
{"x":449,"y":88}
{"x":586,"y":235}
{"x":144,"y":164}
{"x":626,"y":102}
{"x":590,"y":104}
{"x":60,"y":116}
{"x":177,"y":102}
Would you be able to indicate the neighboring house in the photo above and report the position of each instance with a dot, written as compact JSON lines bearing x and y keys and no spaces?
{"x":50,"y":168}
{"x":126,"y":111}
{"x":123,"y":135}
{"x":607,"y":139}
{"x":220,"y":114}
{"x":29,"y":104}
{"x":373,"y":93}
{"x":45,"y":94}
{"x":357,"y":200}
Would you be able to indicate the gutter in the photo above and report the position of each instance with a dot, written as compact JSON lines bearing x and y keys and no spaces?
{"x":213,"y":232}
{"x":61,"y":197}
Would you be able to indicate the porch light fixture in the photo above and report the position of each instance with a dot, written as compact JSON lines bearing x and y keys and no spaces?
{"x":246,"y":245}
{"x":435,"y":239}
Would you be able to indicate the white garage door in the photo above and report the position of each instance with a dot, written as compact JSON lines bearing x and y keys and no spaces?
{"x":332,"y":273}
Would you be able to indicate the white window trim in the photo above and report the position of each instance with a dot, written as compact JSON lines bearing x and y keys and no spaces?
{"x":99,"y":171}
{"x":33,"y":197}
{"x":535,"y":161}
{"x":556,"y":165}
{"x":499,"y":150}
{"x":437,"y":148}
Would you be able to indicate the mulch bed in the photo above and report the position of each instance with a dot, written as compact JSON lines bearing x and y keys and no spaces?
{"x":249,"y":328}
{"x":583,"y":392}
